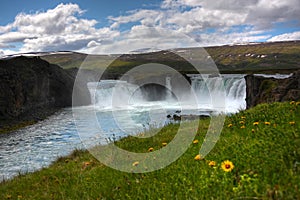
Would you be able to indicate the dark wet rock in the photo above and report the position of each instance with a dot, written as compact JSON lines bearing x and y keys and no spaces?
{"x":176,"y":117}
{"x":31,"y":86}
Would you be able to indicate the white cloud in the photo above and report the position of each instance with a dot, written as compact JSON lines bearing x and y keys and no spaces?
{"x":232,"y":38}
{"x":202,"y":19}
{"x":60,"y":28}
{"x":149,"y":17}
{"x":261,"y":14}
{"x":143,"y":37}
{"x":286,"y":37}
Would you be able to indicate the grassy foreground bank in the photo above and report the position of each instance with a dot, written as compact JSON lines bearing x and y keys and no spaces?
{"x":262,"y":146}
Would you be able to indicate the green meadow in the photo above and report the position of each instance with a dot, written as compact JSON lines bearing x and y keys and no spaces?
{"x":256,"y":157}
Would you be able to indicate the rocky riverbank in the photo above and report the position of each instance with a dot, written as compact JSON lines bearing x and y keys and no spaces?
{"x":32,"y":89}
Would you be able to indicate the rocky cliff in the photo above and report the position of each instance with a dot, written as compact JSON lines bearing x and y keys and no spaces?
{"x":31,"y":86}
{"x":266,"y":90}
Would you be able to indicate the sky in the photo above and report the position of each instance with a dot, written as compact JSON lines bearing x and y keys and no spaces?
{"x":111,"y":26}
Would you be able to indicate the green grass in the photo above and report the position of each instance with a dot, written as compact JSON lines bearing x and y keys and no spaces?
{"x":266,"y":159}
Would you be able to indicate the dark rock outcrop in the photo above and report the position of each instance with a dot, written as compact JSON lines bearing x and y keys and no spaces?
{"x":267,"y":90}
{"x":32,"y":85}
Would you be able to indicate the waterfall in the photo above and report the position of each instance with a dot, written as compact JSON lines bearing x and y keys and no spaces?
{"x":114,"y":94}
{"x":207,"y":88}
{"x":234,"y":85}
{"x":169,"y":95}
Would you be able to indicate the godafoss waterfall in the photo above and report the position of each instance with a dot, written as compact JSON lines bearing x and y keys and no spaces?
{"x":121,"y":108}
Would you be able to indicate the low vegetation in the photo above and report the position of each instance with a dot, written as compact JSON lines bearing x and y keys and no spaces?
{"x":256,"y":157}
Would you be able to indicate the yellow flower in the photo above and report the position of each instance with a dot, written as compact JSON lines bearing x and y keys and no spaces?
{"x":297,"y":103}
{"x":292,"y":102}
{"x":242,"y":122}
{"x":198,"y":157}
{"x":150,"y":149}
{"x":255,"y":123}
{"x":229,"y":125}
{"x":195,"y":142}
{"x":85,"y":165}
{"x":136,"y":163}
{"x":243,"y":126}
{"x":267,"y":123}
{"x":292,"y":123}
{"x":164,"y":144}
{"x":212,"y":163}
{"x":252,"y":130}
{"x":227,"y":166}
{"x":243,"y":117}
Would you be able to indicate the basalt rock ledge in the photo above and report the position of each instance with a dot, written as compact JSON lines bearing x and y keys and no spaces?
{"x":267,"y":90}
{"x":31,"y":87}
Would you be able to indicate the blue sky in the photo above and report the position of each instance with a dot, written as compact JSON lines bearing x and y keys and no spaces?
{"x":110,"y":26}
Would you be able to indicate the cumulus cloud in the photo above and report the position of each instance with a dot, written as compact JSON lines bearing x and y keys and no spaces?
{"x":60,"y":28}
{"x":147,"y":17}
{"x":144,"y":37}
{"x":261,"y":14}
{"x":213,"y":22}
{"x":286,"y":37}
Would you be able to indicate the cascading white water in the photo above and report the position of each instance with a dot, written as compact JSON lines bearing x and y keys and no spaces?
{"x":234,"y":86}
{"x":169,"y":95}
{"x":115,"y":94}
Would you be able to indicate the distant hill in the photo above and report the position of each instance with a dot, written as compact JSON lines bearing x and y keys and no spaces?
{"x":252,"y":57}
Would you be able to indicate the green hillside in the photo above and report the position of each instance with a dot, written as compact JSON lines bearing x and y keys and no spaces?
{"x":277,"y":56}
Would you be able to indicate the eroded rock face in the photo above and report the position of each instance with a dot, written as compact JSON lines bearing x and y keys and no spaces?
{"x":28,"y":85}
{"x":267,"y":90}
